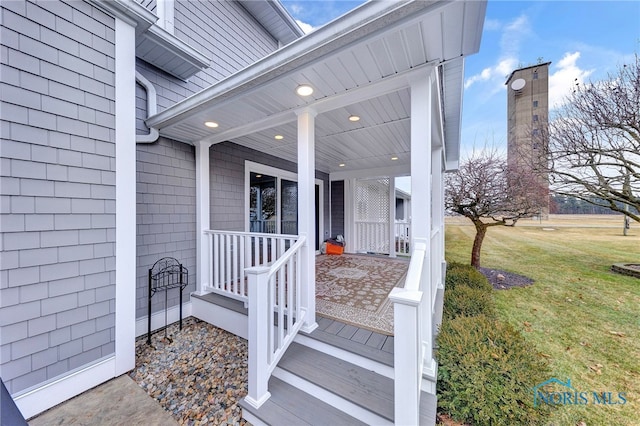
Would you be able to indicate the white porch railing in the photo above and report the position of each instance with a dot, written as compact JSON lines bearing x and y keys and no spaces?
{"x":233,"y":252}
{"x":372,"y":237}
{"x":402,"y":237}
{"x":274,"y":294}
{"x":413,"y":331}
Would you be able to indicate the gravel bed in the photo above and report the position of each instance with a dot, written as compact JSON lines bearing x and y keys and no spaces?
{"x":198,"y":375}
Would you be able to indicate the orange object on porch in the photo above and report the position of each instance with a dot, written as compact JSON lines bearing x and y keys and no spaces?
{"x":334,"y":248}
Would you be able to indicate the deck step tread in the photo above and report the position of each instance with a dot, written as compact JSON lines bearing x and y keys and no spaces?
{"x":290,"y":406}
{"x":362,"y":387}
{"x":357,"y":344}
{"x":225,"y":302}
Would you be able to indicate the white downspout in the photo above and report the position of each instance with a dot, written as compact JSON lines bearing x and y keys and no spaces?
{"x":153,"y":134}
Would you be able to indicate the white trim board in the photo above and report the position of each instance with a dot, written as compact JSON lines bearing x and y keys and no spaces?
{"x":125,"y":140}
{"x":51,"y":394}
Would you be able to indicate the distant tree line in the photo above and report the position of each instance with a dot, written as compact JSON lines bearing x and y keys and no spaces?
{"x":566,"y":204}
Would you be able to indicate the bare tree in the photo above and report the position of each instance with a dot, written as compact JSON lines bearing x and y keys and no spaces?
{"x":593,"y":144}
{"x":489,"y":192}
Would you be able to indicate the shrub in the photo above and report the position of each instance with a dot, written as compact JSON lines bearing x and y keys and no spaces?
{"x":459,"y":274}
{"x":486,"y":373}
{"x":468,"y":301}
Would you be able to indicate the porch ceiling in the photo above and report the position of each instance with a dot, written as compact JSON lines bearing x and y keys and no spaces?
{"x":360,"y":64}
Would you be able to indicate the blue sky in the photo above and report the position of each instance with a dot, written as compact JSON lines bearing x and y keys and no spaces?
{"x":583,"y":40}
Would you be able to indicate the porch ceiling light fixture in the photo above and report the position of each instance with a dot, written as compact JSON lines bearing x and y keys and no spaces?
{"x":304,"y":90}
{"x":354,"y":118}
{"x":278,"y":137}
{"x":211,"y":124}
{"x":394,"y":158}
{"x":341,"y":165}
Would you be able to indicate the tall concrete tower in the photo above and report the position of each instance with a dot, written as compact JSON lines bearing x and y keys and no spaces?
{"x":528,"y":119}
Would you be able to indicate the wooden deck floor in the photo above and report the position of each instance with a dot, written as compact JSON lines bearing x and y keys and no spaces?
{"x":372,"y":345}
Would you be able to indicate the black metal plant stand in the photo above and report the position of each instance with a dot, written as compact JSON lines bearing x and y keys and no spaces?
{"x":165,"y":274}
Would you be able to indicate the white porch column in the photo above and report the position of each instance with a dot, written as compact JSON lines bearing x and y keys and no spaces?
{"x":203,"y":257}
{"x":421,"y":187}
{"x":437,"y":260}
{"x":392,"y":216}
{"x":306,"y":213}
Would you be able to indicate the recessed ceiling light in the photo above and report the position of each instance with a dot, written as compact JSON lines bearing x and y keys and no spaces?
{"x":394,"y":158}
{"x":354,"y":118}
{"x":304,"y":90}
{"x":211,"y":124}
{"x":341,"y":165}
{"x":258,"y":176}
{"x":279,"y":137}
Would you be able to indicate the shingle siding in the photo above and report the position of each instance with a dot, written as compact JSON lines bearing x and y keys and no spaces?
{"x":166,"y":215}
{"x":58,"y":170}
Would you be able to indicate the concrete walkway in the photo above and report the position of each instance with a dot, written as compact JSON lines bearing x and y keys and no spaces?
{"x":119,"y":401}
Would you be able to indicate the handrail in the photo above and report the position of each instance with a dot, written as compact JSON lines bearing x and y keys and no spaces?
{"x":250,"y":234}
{"x":415,"y":267}
{"x":286,"y":256}
{"x":412,"y":335}
{"x":274,"y":289}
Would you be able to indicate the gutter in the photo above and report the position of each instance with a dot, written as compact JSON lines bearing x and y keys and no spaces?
{"x":153,"y":134}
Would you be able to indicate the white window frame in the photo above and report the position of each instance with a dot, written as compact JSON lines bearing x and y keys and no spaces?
{"x":279,"y":174}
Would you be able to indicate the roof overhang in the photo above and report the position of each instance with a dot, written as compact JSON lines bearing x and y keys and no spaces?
{"x":275,"y":19}
{"x":360,"y":64}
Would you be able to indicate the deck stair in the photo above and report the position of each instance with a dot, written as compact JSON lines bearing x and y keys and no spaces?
{"x":336,"y":375}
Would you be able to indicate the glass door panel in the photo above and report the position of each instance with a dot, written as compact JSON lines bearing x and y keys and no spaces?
{"x":262,"y":203}
{"x":289,"y":207}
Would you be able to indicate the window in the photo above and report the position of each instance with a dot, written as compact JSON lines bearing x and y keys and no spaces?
{"x":535,"y":75}
{"x":535,"y":104}
{"x":535,"y":117}
{"x":536,"y":132}
{"x":271,"y":199}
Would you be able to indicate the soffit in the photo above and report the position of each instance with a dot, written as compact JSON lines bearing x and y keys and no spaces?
{"x":361,"y":64}
{"x":274,"y":18}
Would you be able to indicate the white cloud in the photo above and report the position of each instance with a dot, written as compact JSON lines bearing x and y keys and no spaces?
{"x":513,"y":33}
{"x":306,"y":28}
{"x":563,"y":80}
{"x":492,"y":24}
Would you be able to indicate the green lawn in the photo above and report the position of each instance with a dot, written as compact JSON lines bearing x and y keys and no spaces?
{"x":583,"y":318}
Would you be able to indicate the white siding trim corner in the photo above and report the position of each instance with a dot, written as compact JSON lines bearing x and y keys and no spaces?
{"x":125,"y":198}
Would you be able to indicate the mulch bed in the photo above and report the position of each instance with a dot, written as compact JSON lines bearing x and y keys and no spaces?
{"x":503,"y":280}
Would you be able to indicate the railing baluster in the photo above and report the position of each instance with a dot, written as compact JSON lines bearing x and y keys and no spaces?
{"x":242,"y":255}
{"x":290,"y":289}
{"x":216,"y":266}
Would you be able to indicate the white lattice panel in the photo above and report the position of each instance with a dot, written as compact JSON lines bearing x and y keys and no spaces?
{"x":372,"y":215}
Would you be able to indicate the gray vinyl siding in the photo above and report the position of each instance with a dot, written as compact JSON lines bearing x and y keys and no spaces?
{"x":337,"y":208}
{"x":166,"y":216}
{"x":149,"y":4}
{"x":227,"y":185}
{"x":224,"y":32}
{"x":57,"y":259}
